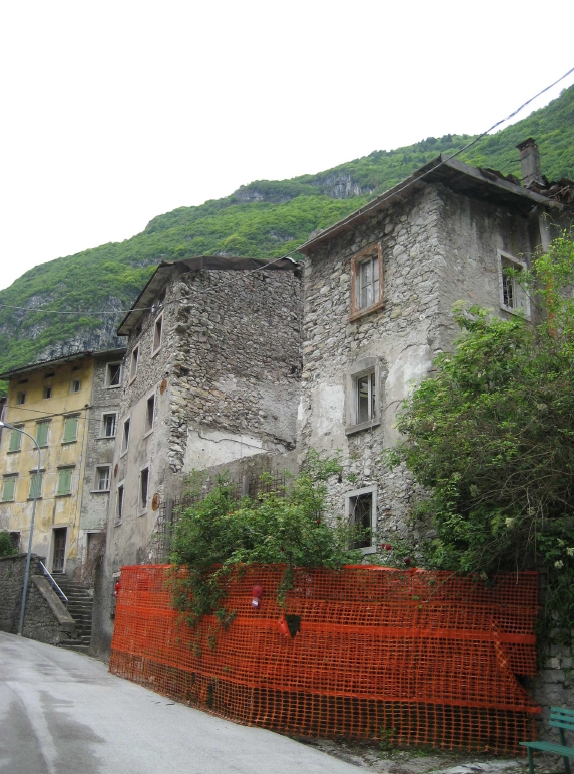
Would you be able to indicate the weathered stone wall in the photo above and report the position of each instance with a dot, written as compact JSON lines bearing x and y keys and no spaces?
{"x":236,"y":366}
{"x":397,"y":337}
{"x":438,"y":247}
{"x":39,"y":621}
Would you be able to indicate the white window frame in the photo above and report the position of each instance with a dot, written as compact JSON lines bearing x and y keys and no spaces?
{"x":149,"y":427}
{"x":371,"y":254}
{"x":142,"y":507}
{"x":96,"y":488}
{"x":515,"y":263}
{"x":21,"y":399}
{"x":45,"y":389}
{"x":74,"y":382}
{"x":134,"y":358}
{"x":119,"y":511}
{"x":124,"y":449}
{"x":349,"y":497}
{"x":113,"y":414}
{"x":365,"y":367}
{"x":155,"y":349}
{"x":107,"y":376}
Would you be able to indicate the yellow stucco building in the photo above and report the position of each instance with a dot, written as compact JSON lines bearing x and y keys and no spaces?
{"x":51,"y":401}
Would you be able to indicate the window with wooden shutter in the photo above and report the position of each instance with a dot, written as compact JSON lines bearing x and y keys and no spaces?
{"x":15,"y":441}
{"x":35,"y":484}
{"x":8,"y":488}
{"x":64,"y":481}
{"x":42,"y":433}
{"x":70,"y":429}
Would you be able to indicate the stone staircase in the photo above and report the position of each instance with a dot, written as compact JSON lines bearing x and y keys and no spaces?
{"x":80,"y":608}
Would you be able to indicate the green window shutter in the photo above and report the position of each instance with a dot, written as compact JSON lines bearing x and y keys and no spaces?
{"x":42,"y":433}
{"x":64,"y":481}
{"x":70,"y":429}
{"x":35,"y":483}
{"x":15,"y":440}
{"x":8,"y":488}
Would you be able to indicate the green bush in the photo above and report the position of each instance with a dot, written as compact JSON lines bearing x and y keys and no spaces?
{"x":491,"y":437}
{"x":6,"y":545}
{"x":220,"y":535}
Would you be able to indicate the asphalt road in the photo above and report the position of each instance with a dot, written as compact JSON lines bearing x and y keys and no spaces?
{"x":63,"y":713}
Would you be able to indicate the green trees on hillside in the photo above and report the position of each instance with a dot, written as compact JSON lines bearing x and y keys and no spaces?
{"x":110,"y":276}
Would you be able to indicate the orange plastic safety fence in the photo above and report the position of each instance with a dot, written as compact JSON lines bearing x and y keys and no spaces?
{"x":408,"y":657}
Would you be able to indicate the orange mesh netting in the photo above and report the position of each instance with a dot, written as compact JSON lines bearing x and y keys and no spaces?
{"x":408,"y":657}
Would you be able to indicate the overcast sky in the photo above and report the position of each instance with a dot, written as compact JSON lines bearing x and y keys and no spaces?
{"x":114,"y":112}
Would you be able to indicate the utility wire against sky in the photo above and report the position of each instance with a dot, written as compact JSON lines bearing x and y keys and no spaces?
{"x":361,"y":210}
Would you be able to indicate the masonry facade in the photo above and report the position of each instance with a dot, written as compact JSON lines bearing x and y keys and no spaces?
{"x":379,"y":290}
{"x":211,"y":377}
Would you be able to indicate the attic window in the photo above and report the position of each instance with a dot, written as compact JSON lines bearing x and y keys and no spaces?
{"x":366,"y":281}
{"x":49,"y":375}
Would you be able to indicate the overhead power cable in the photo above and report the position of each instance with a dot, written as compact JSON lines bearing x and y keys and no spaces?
{"x":362,"y":210}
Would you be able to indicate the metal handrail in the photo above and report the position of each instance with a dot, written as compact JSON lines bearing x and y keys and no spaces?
{"x":53,"y":583}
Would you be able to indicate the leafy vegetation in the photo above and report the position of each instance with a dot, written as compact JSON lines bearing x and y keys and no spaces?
{"x":219,"y":535}
{"x":492,"y":439}
{"x":6,"y":544}
{"x":265,"y":218}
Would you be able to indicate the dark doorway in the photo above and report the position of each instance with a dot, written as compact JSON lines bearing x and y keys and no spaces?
{"x":59,"y":550}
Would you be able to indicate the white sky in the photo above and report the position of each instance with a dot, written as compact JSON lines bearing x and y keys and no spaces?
{"x":114,"y":112}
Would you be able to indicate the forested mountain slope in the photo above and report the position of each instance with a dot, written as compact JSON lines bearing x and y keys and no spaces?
{"x":265,"y":218}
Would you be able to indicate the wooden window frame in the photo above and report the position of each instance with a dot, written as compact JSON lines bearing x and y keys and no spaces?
{"x":68,"y":469}
{"x":371,"y":251}
{"x":12,"y":478}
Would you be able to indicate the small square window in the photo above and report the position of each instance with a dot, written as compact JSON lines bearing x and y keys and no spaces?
{"x":21,"y":398}
{"x":150,"y":408}
{"x":126,"y":436}
{"x":366,"y":281}
{"x":8,"y":488}
{"x":35,"y":484}
{"x":361,"y":512}
{"x":134,"y":363}
{"x":108,"y":429}
{"x":76,"y":385}
{"x":64,"y":481}
{"x":120,"y":502}
{"x":144,"y":480}
{"x":15,"y":440}
{"x":157,"y":333}
{"x":102,"y":479}
{"x":70,"y":429}
{"x":113,"y":374}
{"x":42,"y":430}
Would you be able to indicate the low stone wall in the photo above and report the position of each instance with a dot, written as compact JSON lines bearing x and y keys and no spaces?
{"x":46,"y":619}
{"x":554,"y":684}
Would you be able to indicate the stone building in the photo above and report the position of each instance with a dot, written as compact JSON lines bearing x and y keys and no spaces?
{"x":59,"y":403}
{"x":211,"y":377}
{"x":379,"y":287}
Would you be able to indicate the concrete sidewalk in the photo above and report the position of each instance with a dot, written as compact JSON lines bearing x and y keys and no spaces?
{"x":63,"y":713}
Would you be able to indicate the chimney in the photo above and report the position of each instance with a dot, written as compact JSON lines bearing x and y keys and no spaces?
{"x":530,"y":163}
